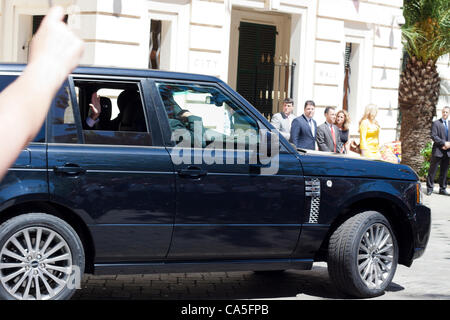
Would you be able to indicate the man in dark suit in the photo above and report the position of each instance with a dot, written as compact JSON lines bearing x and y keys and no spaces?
{"x":328,"y":138}
{"x":303,"y":128}
{"x":440,"y":153}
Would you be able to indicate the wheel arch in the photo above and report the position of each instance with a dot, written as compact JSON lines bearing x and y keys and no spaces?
{"x":394,"y":211}
{"x":60,"y":211}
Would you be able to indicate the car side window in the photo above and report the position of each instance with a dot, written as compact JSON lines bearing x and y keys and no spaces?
{"x":205,"y":115}
{"x":63,"y":128}
{"x":120,"y":119}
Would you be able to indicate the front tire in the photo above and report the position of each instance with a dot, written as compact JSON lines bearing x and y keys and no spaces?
{"x":41,"y":257}
{"x":363,"y":255}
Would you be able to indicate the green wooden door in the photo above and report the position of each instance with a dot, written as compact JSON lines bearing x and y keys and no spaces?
{"x":256,"y":65}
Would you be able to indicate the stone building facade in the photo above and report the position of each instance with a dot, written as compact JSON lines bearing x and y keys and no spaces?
{"x":337,"y":46}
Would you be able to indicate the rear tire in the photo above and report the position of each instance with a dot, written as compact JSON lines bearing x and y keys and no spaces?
{"x":41,"y":258}
{"x":363,"y":255}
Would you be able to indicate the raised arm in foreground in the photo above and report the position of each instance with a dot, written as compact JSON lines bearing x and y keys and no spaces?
{"x":55,"y":52}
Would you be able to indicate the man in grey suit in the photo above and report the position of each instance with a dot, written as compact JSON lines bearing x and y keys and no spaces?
{"x":440,"y":153}
{"x":327,"y":137}
{"x":303,"y":128}
{"x":282,"y":120}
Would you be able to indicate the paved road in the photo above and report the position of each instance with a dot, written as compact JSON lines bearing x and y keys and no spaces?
{"x":428,"y":277}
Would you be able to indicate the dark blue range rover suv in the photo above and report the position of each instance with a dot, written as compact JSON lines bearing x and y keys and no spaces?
{"x":178,"y":173}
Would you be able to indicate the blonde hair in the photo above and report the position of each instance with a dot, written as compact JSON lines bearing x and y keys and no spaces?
{"x":370,"y":109}
{"x":346,"y":122}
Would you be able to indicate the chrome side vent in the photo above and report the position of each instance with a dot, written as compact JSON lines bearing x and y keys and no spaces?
{"x":312,"y":189}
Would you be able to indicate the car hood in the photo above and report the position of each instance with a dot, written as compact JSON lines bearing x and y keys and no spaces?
{"x":317,"y":163}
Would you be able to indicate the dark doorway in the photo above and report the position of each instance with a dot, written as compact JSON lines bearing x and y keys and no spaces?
{"x":155,"y":44}
{"x":256,"y":65}
{"x":38,"y":19}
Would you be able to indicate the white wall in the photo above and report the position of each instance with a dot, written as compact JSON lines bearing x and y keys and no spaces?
{"x":372,"y":26}
{"x":175,"y":49}
{"x":24,"y":34}
{"x":444,"y":72}
{"x":16,"y":26}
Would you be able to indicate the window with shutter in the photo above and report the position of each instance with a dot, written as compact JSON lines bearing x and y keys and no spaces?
{"x":37,"y":19}
{"x":256,"y":65}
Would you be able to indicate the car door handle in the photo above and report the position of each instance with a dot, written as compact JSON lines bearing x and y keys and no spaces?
{"x":69,"y":169}
{"x":192,"y":173}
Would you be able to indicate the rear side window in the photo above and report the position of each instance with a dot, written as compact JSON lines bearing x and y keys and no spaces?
{"x":63,"y":128}
{"x":6,"y":80}
{"x":120,"y":118}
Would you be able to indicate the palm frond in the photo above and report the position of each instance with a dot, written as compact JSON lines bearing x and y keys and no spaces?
{"x":426,"y":32}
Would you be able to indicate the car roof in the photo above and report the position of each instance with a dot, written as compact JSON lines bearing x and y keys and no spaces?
{"x":122,"y":72}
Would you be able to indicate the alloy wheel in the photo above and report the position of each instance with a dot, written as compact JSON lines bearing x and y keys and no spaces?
{"x":35,"y":264}
{"x":375,"y":256}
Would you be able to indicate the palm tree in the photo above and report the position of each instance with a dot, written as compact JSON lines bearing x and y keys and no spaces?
{"x":426,"y":37}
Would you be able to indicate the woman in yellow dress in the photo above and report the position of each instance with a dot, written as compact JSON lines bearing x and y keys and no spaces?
{"x":369,"y":131}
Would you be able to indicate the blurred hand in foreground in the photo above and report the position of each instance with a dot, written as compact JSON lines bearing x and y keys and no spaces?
{"x":55,"y":51}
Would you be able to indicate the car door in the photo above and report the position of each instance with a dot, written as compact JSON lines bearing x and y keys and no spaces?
{"x":27,"y":176}
{"x":230,"y":205}
{"x":117,"y":181}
